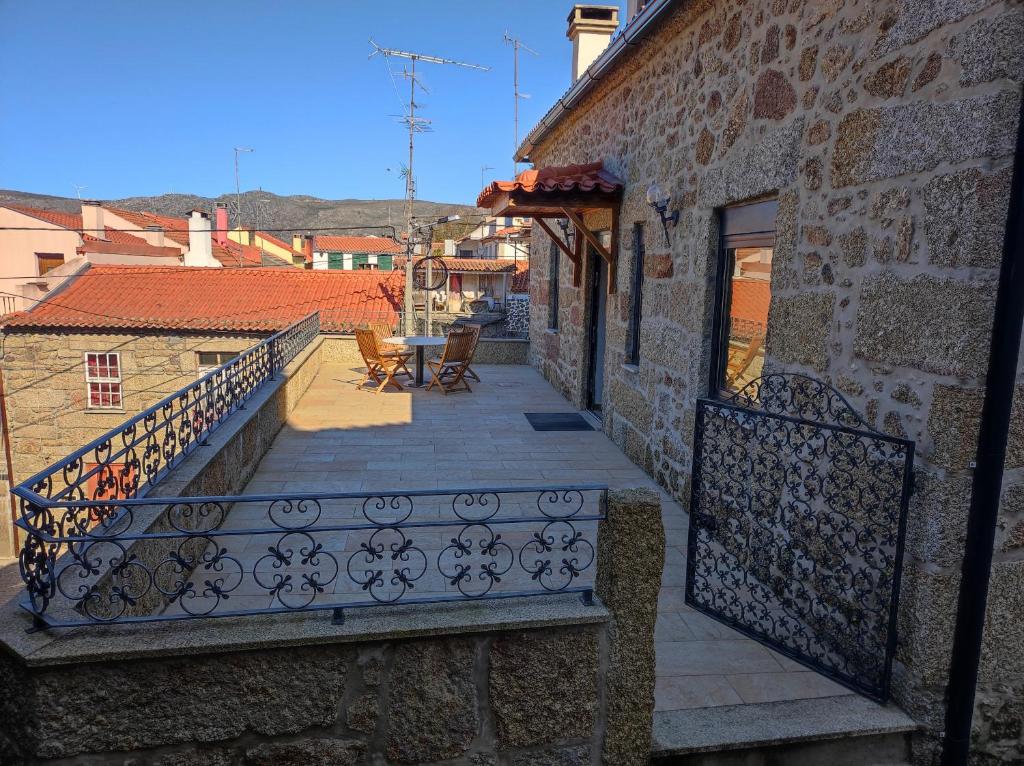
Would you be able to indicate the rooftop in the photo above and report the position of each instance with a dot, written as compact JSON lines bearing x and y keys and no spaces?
{"x":229,"y":300}
{"x":356,"y":244}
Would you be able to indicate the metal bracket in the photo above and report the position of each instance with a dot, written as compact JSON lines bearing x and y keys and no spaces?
{"x":587,"y":598}
{"x":338,"y":616}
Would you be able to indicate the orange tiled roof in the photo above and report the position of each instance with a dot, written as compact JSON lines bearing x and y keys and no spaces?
{"x":521,"y":280}
{"x":214,"y":300}
{"x":472,"y":265}
{"x":588,"y":177}
{"x":74,"y":221}
{"x":750,"y":300}
{"x":277,"y":241}
{"x":356,"y":244}
{"x":175,"y":229}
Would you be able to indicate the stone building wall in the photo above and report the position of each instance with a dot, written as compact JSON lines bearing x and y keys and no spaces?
{"x":886,"y":131}
{"x":44,"y":382}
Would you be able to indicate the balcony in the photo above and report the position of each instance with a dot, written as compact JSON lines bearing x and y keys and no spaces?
{"x":278,"y":495}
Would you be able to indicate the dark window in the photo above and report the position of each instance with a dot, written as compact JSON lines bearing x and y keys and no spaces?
{"x":554,"y":262}
{"x":636,"y":295}
{"x":743,"y":294}
{"x":48,"y":262}
{"x":207,"y":360}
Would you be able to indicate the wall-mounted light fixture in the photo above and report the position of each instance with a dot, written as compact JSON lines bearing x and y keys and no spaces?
{"x":659,"y":201}
{"x":568,"y":232}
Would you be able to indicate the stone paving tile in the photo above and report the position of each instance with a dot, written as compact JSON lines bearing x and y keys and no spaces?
{"x":342,"y":439}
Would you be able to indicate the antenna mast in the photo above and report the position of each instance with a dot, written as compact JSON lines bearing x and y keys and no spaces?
{"x":516,"y":44}
{"x":415,"y":125}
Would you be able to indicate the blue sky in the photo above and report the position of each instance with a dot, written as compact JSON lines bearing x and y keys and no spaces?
{"x":138,"y":98}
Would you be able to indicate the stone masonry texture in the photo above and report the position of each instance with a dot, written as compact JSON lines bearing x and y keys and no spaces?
{"x":886,"y":132}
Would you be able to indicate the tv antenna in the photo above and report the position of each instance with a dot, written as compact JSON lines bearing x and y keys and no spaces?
{"x":415,"y":125}
{"x":516,"y":44}
{"x":483,"y":170}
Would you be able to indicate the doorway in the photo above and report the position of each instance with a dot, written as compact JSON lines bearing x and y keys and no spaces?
{"x":598,"y":313}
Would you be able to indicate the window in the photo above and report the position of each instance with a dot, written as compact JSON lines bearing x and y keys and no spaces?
{"x":103,"y":381}
{"x":743,"y":294}
{"x":48,"y":262}
{"x":636,"y":295}
{"x":208,"y":360}
{"x":367,"y":267}
{"x":553,"y":264}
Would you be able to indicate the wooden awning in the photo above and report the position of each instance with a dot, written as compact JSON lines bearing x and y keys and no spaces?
{"x":568,"y":192}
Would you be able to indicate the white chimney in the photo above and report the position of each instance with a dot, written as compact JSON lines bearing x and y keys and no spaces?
{"x":154,"y":235}
{"x":92,"y":219}
{"x":200,"y":240}
{"x":590,"y":28}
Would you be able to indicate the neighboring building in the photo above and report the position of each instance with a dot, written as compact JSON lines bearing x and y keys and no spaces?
{"x":116,"y":339}
{"x":506,"y":237}
{"x":842,"y":174}
{"x":40,"y":248}
{"x":269,"y":245}
{"x":351,"y":253}
{"x":474,"y":285}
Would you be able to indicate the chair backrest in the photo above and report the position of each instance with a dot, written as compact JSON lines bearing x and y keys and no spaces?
{"x":367,"y":342}
{"x":382,"y":330}
{"x":458,"y":347}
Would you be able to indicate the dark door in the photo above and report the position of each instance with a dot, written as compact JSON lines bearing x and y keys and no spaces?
{"x":598,"y":303}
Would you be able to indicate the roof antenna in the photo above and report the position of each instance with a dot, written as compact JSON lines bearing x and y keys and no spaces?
{"x":415,"y":125}
{"x":516,"y":44}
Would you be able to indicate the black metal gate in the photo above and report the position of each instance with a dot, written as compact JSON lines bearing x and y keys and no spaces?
{"x":797,"y":523}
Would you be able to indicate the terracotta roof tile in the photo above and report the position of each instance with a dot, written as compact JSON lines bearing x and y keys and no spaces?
{"x":356,"y":244}
{"x":214,"y":300}
{"x":74,"y":221}
{"x":750,"y":300}
{"x":473,"y":265}
{"x":521,"y":280}
{"x":588,"y":177}
{"x":175,"y":229}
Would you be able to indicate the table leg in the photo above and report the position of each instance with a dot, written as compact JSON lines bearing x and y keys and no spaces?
{"x":419,"y":366}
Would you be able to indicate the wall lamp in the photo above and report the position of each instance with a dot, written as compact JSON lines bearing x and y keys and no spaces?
{"x":659,"y":201}
{"x":567,"y":234}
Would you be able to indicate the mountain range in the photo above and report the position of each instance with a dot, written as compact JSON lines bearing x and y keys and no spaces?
{"x":268,"y":211}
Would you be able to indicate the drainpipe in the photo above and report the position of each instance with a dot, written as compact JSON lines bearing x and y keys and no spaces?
{"x":6,"y":435}
{"x":988,"y":475}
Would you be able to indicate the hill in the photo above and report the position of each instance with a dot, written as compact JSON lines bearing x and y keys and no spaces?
{"x":295,"y":213}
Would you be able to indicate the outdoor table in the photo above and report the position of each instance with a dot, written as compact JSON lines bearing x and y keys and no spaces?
{"x":418,"y":342}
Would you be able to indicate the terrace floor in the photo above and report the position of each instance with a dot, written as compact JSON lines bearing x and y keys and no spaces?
{"x":343,"y":439}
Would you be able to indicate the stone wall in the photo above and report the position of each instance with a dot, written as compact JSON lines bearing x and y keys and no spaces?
{"x":886,"y":131}
{"x":574,"y":685}
{"x":343,"y":349}
{"x":44,"y":380}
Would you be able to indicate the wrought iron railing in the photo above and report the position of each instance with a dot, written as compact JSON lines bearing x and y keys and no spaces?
{"x":130,"y":460}
{"x":798,"y":518}
{"x":161,"y":559}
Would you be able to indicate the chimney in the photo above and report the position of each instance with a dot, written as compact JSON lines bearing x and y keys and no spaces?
{"x":92,"y":219}
{"x":220,"y":213}
{"x":200,"y":243}
{"x":154,"y":235}
{"x":307,"y":249}
{"x":590,"y":28}
{"x":297,"y":243}
{"x":247,"y":236}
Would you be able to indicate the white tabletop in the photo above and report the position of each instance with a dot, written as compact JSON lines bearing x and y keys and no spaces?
{"x":417,"y":340}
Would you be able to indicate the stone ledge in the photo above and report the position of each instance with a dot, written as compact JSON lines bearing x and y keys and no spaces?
{"x":735,"y":727}
{"x":203,"y":636}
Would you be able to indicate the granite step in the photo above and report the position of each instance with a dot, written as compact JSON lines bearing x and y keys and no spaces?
{"x":846,"y":730}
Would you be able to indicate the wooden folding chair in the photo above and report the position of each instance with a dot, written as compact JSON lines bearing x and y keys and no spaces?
{"x":739,"y":361}
{"x":475,"y":329}
{"x":382,"y":330}
{"x":449,"y":371}
{"x":379,"y":369}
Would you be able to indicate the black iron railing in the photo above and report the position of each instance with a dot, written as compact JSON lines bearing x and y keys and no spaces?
{"x":798,"y":518}
{"x":163,"y":559}
{"x":130,"y":460}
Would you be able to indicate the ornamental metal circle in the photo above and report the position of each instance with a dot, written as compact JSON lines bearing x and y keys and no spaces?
{"x":438,"y":274}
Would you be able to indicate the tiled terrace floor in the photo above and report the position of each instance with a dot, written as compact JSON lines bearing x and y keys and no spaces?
{"x":340,"y":438}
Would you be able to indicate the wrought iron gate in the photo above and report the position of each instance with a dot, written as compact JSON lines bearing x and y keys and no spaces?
{"x":797,"y":523}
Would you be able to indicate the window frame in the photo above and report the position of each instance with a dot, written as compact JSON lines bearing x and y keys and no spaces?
{"x":101,"y":380}
{"x":554,"y":266}
{"x":636,"y":295}
{"x":206,"y":368}
{"x":746,"y":230}
{"x":53,"y":256}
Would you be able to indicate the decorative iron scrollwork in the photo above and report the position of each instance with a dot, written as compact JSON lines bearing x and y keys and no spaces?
{"x":797,"y":519}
